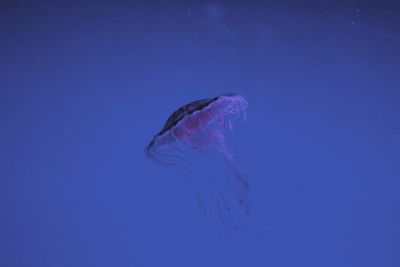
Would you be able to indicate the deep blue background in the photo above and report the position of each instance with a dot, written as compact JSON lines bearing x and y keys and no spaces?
{"x":85,"y":85}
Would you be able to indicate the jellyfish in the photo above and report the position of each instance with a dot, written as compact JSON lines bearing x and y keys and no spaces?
{"x":194,"y":142}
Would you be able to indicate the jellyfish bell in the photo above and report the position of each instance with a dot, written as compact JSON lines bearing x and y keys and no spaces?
{"x":193,"y":120}
{"x":193,"y":130}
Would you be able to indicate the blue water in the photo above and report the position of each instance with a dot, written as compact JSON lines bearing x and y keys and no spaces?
{"x":84,"y":86}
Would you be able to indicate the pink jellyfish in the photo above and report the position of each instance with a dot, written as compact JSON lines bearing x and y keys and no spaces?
{"x":195,"y":129}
